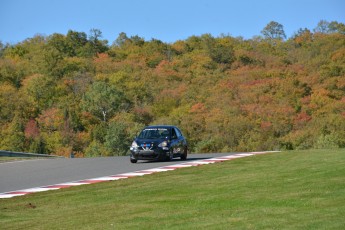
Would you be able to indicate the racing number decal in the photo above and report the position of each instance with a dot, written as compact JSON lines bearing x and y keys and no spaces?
{"x":176,"y":150}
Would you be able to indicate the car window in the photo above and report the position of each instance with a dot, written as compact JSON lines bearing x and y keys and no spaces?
{"x":173,"y":134}
{"x":165,"y":134}
{"x":154,"y":133}
{"x":178,"y":133}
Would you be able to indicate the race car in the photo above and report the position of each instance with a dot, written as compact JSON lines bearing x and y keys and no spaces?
{"x":159,"y":142}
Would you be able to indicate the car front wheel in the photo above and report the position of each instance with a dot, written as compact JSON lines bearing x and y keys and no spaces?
{"x":170,"y":156}
{"x":185,"y":153}
{"x":134,"y":160}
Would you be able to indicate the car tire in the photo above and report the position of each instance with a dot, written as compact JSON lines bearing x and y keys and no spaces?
{"x":185,"y":153}
{"x":170,"y":156}
{"x":134,"y":161}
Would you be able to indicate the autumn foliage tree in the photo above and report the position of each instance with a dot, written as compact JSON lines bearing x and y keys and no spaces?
{"x":75,"y":93}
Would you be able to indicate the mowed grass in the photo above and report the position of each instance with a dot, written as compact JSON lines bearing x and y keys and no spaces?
{"x":288,"y":190}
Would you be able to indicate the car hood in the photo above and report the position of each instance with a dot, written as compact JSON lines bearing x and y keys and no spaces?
{"x":149,"y":141}
{"x":158,"y":140}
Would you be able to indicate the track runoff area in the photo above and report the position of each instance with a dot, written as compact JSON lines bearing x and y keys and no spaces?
{"x":129,"y":175}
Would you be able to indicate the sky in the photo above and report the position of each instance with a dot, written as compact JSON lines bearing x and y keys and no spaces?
{"x":166,"y":20}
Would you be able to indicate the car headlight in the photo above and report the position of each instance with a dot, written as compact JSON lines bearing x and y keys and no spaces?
{"x":134,"y":145}
{"x":163,"y":144}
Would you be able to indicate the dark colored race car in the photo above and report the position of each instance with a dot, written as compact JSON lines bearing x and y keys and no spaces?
{"x":161,"y":142}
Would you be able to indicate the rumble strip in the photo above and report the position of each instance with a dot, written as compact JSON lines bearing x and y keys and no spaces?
{"x":128,"y":175}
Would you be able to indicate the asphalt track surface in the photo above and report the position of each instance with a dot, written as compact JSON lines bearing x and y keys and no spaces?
{"x":25,"y":174}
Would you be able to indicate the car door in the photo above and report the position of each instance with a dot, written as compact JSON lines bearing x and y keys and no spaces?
{"x":179,"y":137}
{"x":174,"y":141}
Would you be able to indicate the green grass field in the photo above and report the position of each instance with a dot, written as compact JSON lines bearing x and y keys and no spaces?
{"x":288,"y":190}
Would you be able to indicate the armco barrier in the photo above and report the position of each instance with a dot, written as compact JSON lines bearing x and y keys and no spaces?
{"x":19,"y":154}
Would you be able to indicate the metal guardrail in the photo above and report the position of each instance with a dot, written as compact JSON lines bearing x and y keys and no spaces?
{"x":20,"y":154}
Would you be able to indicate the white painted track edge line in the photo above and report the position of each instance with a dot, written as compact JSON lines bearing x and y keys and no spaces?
{"x":128,"y":175}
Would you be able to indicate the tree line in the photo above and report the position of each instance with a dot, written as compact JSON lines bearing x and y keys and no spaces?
{"x":76,"y":93}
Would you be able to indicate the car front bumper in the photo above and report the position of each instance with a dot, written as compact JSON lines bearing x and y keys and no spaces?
{"x":156,"y":154}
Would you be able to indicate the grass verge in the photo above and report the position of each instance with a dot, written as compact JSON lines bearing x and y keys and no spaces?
{"x":288,"y":190}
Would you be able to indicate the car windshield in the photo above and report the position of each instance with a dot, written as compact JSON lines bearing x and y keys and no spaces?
{"x":154,"y":133}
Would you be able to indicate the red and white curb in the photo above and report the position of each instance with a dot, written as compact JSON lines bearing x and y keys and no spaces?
{"x":129,"y":175}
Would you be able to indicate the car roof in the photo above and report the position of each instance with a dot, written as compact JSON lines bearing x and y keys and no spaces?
{"x":160,"y":126}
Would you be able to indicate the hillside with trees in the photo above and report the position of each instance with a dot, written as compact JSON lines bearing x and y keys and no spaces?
{"x":76,"y":93}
